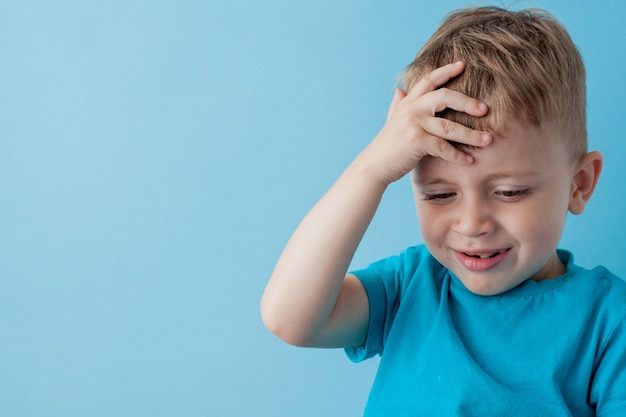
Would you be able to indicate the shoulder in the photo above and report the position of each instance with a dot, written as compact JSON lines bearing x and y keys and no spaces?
{"x":409,"y":271}
{"x":608,"y":295}
{"x":410,"y":258}
{"x":611,"y":295}
{"x":611,"y":283}
{"x":602,"y":294}
{"x":609,"y":288}
{"x":598,"y":277}
{"x":418,"y":256}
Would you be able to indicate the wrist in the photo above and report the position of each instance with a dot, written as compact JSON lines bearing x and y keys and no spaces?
{"x":366,"y":171}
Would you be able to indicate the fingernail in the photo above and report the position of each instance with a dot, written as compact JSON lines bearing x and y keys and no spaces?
{"x":486,"y":138}
{"x":482,"y":106}
{"x":469,"y":159}
{"x":459,"y":62}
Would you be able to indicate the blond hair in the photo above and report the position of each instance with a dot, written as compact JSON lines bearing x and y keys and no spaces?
{"x":520,"y":63}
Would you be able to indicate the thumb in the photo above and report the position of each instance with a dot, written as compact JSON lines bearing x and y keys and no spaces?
{"x":398,"y":95}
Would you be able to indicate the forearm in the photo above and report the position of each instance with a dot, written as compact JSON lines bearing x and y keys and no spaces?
{"x":308,"y":277}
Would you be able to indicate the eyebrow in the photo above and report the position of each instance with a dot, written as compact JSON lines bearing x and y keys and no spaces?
{"x":491,"y":177}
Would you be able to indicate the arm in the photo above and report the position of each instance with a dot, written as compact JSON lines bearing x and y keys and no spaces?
{"x":309,"y":300}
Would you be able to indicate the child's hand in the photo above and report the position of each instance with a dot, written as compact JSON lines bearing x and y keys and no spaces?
{"x":412,"y":131}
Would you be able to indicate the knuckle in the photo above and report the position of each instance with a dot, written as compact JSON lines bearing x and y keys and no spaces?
{"x":444,"y":147}
{"x":429,"y":80}
{"x":448,"y":126}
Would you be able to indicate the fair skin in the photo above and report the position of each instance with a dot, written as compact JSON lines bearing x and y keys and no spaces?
{"x":310,"y":300}
{"x":497,"y":222}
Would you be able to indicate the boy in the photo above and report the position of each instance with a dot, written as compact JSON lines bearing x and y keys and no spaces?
{"x":487,"y":318}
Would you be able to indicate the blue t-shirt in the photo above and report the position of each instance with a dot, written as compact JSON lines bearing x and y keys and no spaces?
{"x":550,"y":348}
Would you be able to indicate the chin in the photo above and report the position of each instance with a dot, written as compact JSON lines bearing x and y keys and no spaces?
{"x":485,"y":287}
{"x":485,"y":292}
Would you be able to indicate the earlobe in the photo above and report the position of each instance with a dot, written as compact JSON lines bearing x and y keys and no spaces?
{"x":584,"y":181}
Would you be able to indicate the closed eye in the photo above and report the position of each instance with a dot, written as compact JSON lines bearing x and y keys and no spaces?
{"x":513,"y":195}
{"x":439,"y":197}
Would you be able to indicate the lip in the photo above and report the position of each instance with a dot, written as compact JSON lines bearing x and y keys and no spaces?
{"x":470,"y":259}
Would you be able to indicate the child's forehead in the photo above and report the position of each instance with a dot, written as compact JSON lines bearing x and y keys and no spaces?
{"x":521,"y":153}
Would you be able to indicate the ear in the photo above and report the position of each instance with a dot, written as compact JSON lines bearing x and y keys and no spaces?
{"x":584,"y":181}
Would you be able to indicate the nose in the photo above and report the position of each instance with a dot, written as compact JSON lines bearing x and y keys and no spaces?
{"x":475,"y":218}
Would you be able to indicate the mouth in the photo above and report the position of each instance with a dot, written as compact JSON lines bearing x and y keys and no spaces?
{"x":485,"y":254}
{"x":482,"y":260}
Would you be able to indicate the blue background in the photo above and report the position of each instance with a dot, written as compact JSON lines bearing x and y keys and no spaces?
{"x":155,"y":157}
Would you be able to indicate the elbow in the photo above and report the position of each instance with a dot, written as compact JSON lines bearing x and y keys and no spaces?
{"x":283,"y":326}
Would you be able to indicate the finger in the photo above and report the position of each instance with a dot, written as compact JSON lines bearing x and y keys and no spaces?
{"x":448,"y":130}
{"x":443,"y":149}
{"x":450,"y":99}
{"x":436,"y":78}
{"x":398,"y":95}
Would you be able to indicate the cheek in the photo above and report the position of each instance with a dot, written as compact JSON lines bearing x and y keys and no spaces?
{"x":432,"y":223}
{"x":541,"y":226}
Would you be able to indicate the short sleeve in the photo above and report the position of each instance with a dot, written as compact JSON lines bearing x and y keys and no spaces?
{"x":374,"y":341}
{"x":381,"y":283}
